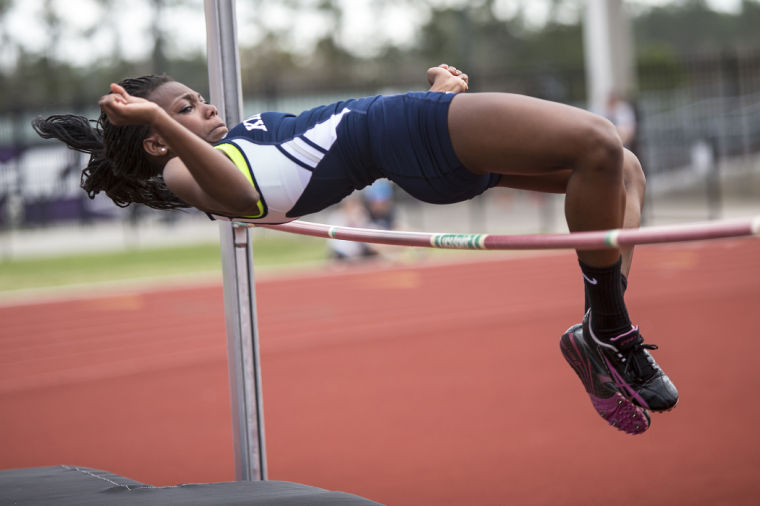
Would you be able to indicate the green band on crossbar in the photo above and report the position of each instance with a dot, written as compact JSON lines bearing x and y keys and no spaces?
{"x":611,"y":239}
{"x":458,"y":241}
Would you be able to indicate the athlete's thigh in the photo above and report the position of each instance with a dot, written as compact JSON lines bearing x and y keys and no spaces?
{"x":514,"y":134}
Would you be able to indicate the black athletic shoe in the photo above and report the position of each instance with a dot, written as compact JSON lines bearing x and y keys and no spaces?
{"x":636,"y":374}
{"x":609,"y":402}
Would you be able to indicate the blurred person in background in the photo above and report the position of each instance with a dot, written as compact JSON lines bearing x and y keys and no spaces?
{"x":378,"y":198}
{"x":350,"y":212}
{"x":622,"y":114}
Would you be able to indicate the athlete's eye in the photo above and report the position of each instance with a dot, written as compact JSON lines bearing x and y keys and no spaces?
{"x":186,"y":109}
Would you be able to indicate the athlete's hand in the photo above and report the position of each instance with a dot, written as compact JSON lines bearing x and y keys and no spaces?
{"x":447,"y":78}
{"x":124,"y":109}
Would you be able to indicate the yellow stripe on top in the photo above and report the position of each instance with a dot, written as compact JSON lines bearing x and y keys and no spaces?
{"x":238,"y":159}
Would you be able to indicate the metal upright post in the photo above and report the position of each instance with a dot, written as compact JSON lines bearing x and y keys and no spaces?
{"x":608,"y":46}
{"x":237,"y":261}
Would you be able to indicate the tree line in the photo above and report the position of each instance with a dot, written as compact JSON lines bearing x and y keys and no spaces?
{"x":473,"y":35}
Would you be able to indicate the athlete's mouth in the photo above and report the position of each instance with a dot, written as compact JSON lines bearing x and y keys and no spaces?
{"x":217,"y":131}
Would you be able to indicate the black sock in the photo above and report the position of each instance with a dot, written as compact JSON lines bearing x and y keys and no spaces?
{"x":587,"y":303}
{"x":604,"y":290}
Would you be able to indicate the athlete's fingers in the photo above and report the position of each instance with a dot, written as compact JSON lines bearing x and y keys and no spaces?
{"x":120,"y":91}
{"x":107,"y":102}
{"x":455,"y":71}
{"x":434,"y":73}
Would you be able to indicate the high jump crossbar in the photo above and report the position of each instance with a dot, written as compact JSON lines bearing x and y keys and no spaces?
{"x":576,"y":240}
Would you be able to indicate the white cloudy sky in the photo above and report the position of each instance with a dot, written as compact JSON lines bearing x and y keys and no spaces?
{"x":132,"y":20}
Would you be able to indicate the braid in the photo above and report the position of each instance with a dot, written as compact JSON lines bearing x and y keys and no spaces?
{"x":118,"y":165}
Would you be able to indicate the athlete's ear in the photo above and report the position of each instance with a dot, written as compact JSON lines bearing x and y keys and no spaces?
{"x":154,"y":145}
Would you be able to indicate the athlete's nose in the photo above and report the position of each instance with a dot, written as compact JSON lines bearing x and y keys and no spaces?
{"x":212,"y":110}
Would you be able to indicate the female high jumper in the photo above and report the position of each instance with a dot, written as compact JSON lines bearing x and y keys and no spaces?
{"x":158,"y":143}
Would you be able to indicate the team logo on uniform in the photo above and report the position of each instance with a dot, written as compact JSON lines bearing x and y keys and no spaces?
{"x":255,"y":123}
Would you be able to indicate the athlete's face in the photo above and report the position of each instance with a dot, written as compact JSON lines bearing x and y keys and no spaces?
{"x":190,"y":110}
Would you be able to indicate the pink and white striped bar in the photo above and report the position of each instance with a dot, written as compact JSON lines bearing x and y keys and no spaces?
{"x":577,"y":240}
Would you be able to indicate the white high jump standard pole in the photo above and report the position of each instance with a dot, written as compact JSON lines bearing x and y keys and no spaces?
{"x":237,"y":260}
{"x":608,"y":45}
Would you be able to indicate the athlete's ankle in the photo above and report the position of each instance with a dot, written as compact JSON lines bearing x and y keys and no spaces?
{"x":587,"y":302}
{"x":604,"y":289}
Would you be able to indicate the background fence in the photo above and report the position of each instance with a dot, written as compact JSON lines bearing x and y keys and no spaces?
{"x":698,"y":130}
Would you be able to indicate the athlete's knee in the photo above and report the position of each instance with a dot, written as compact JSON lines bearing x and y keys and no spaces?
{"x":602,"y":149}
{"x":633,"y":174}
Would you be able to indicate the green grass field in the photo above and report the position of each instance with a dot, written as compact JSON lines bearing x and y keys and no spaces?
{"x":202,"y":259}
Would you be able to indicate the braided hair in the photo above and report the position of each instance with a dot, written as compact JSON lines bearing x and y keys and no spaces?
{"x":118,"y":165}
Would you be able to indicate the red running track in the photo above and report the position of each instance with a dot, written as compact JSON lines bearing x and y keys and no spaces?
{"x":409,"y":385}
